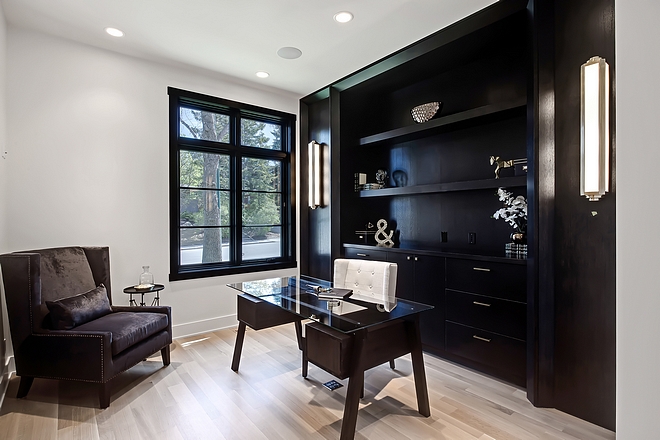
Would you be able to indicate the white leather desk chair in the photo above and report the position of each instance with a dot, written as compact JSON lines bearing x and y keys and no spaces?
{"x":371,"y":281}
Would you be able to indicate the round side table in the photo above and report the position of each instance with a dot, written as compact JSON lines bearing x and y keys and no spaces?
{"x":131,"y":290}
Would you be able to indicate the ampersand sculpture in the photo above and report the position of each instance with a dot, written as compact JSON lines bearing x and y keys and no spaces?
{"x":387,"y":241}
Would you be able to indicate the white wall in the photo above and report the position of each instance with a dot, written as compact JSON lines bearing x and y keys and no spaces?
{"x":88,"y":163}
{"x":5,"y":366}
{"x":3,"y":130}
{"x":638,"y":219}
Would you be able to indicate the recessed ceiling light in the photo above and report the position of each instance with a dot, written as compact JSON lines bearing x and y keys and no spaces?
{"x":114,"y":32}
{"x":289,"y":53}
{"x":343,"y":17}
{"x":263,"y":74}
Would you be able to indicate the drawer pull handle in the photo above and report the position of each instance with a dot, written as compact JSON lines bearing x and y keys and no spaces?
{"x":480,"y":338}
{"x":480,"y":304}
{"x":481,"y":269}
{"x":362,"y":255}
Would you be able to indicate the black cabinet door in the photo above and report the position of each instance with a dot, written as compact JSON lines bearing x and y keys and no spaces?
{"x":421,"y":278}
{"x":405,"y":278}
{"x":429,"y":289}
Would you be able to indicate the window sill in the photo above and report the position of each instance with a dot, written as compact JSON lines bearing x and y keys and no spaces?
{"x":195,"y":273}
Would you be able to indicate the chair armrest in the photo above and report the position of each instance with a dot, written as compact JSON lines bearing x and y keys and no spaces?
{"x":66,"y":354}
{"x":142,"y":309}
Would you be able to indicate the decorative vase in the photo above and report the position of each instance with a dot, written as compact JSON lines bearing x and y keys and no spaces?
{"x":146,"y":277}
{"x":519,"y":237}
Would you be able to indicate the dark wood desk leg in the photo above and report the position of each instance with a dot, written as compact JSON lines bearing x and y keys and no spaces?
{"x":238,"y":347}
{"x":302,"y":346}
{"x":392,"y":366}
{"x":299,"y":335}
{"x":355,"y":387}
{"x":415,"y":341}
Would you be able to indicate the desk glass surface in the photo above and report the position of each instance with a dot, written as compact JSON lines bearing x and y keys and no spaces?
{"x":296,"y":294}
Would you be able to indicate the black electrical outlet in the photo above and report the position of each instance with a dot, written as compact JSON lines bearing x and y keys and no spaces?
{"x":472,"y":238}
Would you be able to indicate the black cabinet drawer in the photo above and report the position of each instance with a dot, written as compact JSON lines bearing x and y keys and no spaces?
{"x":501,"y":280}
{"x":492,"y":314}
{"x":364,"y":254}
{"x":506,"y":356}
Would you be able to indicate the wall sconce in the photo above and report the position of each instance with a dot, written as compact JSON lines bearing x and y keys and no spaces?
{"x":594,"y":128}
{"x":314,"y":170}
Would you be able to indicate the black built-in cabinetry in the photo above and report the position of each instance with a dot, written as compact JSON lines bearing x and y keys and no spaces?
{"x":508,"y":77}
{"x":481,"y":79}
{"x":480,"y":70}
{"x":479,"y":315}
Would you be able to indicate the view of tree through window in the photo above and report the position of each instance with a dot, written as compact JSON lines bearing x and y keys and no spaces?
{"x":233,"y":200}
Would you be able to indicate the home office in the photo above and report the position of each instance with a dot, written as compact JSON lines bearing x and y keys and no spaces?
{"x":82,"y":122}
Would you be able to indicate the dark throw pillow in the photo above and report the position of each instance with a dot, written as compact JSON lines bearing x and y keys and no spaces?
{"x":66,"y":313}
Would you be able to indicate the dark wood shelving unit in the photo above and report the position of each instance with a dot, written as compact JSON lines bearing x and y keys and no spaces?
{"x":456,"y":120}
{"x":504,"y":182}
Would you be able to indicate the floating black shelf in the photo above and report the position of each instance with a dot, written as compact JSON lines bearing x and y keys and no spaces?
{"x":456,"y":120}
{"x":469,"y":185}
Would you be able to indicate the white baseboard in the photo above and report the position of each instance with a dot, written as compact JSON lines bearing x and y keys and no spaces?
{"x":4,"y":381}
{"x":203,"y":326}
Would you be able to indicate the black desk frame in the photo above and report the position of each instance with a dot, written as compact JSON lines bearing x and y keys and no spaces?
{"x":371,"y":346}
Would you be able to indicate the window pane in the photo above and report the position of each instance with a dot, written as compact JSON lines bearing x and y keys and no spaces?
{"x":203,"y":170}
{"x":204,"y":245}
{"x":268,"y":245}
{"x":262,"y":209}
{"x":203,"y":207}
{"x":261,"y":134}
{"x":262,"y":174}
{"x":200,"y":124}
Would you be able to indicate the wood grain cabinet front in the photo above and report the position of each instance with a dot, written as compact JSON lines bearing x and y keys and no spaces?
{"x":486,"y":316}
{"x":362,"y":254}
{"x":499,"y":280}
{"x":504,"y":357}
{"x":496,"y":315}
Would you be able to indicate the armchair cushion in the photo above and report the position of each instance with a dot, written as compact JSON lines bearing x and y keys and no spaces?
{"x":67,"y":313}
{"x":127,"y":328}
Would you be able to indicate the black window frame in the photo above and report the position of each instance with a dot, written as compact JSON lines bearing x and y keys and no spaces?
{"x":236,"y":110}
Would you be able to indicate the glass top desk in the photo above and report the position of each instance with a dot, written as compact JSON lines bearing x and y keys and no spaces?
{"x":346,"y":336}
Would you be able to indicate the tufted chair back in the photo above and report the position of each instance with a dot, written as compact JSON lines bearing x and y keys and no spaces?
{"x":371,"y":281}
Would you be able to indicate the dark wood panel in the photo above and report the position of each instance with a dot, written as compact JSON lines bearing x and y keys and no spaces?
{"x":472,"y":116}
{"x":585,"y":245}
{"x":318,"y":235}
{"x":405,"y":278}
{"x":470,"y":185}
{"x":508,"y":318}
{"x":429,"y":289}
{"x":499,"y":280}
{"x":260,"y":314}
{"x":541,"y":196}
{"x":499,"y":354}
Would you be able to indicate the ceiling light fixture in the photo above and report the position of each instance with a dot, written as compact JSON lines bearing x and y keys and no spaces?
{"x":289,"y":53}
{"x":263,"y":74}
{"x":114,"y":32}
{"x":343,"y":17}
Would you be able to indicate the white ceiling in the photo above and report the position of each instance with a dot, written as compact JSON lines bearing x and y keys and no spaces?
{"x":240,"y":37}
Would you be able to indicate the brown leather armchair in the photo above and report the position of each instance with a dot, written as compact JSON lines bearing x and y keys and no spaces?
{"x":93,"y":348}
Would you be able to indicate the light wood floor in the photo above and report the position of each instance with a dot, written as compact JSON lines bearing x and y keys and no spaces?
{"x":199,"y":397}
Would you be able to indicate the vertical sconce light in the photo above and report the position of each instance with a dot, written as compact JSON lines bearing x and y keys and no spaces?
{"x":594,"y":128}
{"x":314,"y":170}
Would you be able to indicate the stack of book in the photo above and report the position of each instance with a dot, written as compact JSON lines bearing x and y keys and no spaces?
{"x":513,"y":250}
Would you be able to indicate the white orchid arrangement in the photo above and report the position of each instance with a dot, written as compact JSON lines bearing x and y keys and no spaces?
{"x":514,"y":211}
